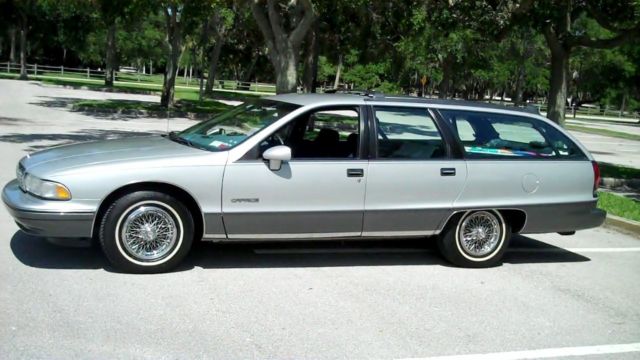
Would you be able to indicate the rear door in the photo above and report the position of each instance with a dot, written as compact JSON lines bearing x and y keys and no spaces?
{"x":415,"y":175}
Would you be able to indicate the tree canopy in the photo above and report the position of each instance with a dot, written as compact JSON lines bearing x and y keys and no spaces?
{"x":554,"y":52}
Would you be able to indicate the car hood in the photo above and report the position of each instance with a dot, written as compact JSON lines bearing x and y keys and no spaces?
{"x":107,"y":151}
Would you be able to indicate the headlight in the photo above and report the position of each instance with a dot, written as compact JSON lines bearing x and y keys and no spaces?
{"x":45,"y":189}
{"x":20,"y":175}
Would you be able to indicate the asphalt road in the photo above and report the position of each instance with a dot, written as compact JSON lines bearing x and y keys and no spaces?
{"x":553,"y":295}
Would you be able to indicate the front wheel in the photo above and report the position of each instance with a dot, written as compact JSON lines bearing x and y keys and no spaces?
{"x":146,"y":232}
{"x":476,"y":239}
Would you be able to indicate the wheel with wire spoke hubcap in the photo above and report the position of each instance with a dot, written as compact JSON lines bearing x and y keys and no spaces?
{"x":146,"y":232}
{"x":475,"y":239}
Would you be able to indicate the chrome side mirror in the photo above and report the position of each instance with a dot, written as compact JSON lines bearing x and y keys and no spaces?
{"x":276,"y":155}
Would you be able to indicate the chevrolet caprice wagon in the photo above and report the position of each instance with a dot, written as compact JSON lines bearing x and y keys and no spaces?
{"x":293,"y":167}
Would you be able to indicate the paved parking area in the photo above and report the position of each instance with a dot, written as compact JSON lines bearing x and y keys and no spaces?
{"x":554,"y":296}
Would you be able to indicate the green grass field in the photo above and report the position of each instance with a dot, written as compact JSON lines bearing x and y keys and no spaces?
{"x":603,"y":132}
{"x":619,"y":206}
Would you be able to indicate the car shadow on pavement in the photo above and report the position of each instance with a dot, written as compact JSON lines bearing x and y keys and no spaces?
{"x":39,"y":253}
{"x":50,"y":140}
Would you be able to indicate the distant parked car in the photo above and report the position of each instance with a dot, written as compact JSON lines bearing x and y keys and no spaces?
{"x":292,"y":167}
{"x":127,"y":69}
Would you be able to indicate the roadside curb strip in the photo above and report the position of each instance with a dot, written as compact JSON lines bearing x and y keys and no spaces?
{"x":623,"y":224}
{"x":613,"y":183}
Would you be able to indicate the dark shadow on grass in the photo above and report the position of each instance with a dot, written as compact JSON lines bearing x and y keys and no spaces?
{"x":126,"y":110}
{"x":33,"y":141}
{"x":79,"y":85}
{"x":39,"y":253}
{"x":56,"y":102}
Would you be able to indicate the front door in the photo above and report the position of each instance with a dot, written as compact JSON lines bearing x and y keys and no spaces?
{"x":319,"y":193}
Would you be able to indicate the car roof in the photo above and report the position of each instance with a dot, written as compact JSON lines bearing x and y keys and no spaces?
{"x":363,"y":98}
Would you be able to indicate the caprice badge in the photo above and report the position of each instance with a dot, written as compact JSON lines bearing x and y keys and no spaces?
{"x":245,"y":200}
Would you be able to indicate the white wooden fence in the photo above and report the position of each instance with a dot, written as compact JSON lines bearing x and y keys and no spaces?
{"x":124,"y":77}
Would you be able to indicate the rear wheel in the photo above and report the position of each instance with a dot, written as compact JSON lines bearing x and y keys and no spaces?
{"x":477,"y":239}
{"x":146,"y":232}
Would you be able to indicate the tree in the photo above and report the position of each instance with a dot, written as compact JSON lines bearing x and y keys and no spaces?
{"x":283,"y":42}
{"x":24,"y":10}
{"x":217,"y":27}
{"x":181,"y":17}
{"x":561,"y":23}
{"x":111,"y":13}
{"x":172,"y":12}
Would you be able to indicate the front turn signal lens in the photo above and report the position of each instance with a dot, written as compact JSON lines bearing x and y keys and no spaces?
{"x":62,"y":193}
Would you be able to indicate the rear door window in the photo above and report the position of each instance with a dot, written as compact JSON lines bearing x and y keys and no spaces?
{"x":490,"y":135}
{"x":407,"y":133}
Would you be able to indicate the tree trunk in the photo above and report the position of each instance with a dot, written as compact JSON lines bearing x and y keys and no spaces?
{"x":447,"y":74}
{"x":23,"y":49}
{"x":285,"y":63}
{"x":214,"y":58}
{"x":283,"y":48}
{"x":12,"y":52}
{"x":246,"y":75}
{"x":311,"y":63}
{"x":558,"y":81}
{"x":110,"y":59}
{"x":519,"y":88}
{"x":338,"y":71}
{"x":170,"y":73}
{"x":174,"y":42}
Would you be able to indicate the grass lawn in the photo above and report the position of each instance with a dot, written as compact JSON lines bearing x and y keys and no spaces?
{"x":619,"y":206}
{"x":603,"y":132}
{"x":618,"y":172}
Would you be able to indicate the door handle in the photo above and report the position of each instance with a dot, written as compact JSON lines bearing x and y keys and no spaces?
{"x":448,"y":172}
{"x":355,"y":172}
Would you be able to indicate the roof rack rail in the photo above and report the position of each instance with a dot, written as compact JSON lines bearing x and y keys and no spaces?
{"x":368,"y":93}
{"x":531,"y":109}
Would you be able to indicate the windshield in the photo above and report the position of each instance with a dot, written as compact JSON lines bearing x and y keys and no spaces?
{"x":235,"y":126}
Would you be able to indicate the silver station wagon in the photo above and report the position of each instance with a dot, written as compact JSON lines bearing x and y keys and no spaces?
{"x":300,"y":167}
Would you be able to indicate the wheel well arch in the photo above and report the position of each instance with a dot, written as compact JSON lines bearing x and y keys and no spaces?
{"x":180,"y":194}
{"x":516,"y":218}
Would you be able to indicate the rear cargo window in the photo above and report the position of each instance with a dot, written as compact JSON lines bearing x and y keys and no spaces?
{"x":489,"y":135}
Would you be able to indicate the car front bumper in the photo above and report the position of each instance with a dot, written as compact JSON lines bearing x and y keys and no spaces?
{"x":41,"y":217}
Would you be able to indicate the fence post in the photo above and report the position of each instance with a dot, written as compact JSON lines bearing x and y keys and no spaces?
{"x":9,"y":66}
{"x":61,"y":69}
{"x":256,"y":90}
{"x":35,"y":69}
{"x":87,"y":73}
